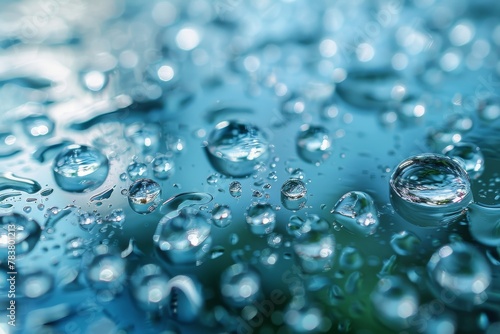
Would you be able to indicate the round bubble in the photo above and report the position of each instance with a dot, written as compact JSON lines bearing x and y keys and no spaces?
{"x":356,"y":211}
{"x":313,"y":144}
{"x":144,"y":195}
{"x":240,"y":285}
{"x":430,"y":190}
{"x":293,"y":194}
{"x":261,"y":218}
{"x":469,"y":156}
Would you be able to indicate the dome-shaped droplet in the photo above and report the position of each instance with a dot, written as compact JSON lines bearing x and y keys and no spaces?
{"x":261,"y":218}
{"x":469,"y":156}
{"x":293,"y":194}
{"x":221,"y":216}
{"x":144,"y":195}
{"x":459,"y":275}
{"x":484,"y":223}
{"x":137,"y":170}
{"x":313,"y":144}
{"x":184,"y":238}
{"x":105,"y":269}
{"x":19,"y":232}
{"x":395,"y":301}
{"x":430,"y":190}
{"x":316,"y":248}
{"x":235,"y":149}
{"x":356,"y":211}
{"x":79,"y":168}
{"x":240,"y":285}
{"x":149,"y":286}
{"x":163,"y":167}
{"x":235,"y":189}
{"x":405,"y":243}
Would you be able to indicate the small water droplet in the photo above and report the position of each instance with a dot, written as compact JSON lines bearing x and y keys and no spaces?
{"x":144,"y":195}
{"x":235,"y":189}
{"x":137,"y":170}
{"x":163,"y":167}
{"x":221,"y":216}
{"x":293,"y":194}
{"x":356,"y":211}
{"x":313,"y":144}
{"x":261,"y":218}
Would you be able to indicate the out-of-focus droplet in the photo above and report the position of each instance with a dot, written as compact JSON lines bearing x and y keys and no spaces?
{"x":105,"y":270}
{"x":240,"y":285}
{"x":36,"y":126}
{"x":430,"y":190}
{"x":459,"y":275}
{"x":316,"y":248}
{"x":395,"y":302}
{"x":221,"y":216}
{"x":484,"y":223}
{"x":185,"y":298}
{"x":163,"y":167}
{"x":261,"y":218}
{"x":350,"y":258}
{"x":469,"y":156}
{"x":274,"y":240}
{"x":293,"y":194}
{"x":137,"y":170}
{"x":87,"y":221}
{"x":36,"y":284}
{"x":8,"y":146}
{"x":236,"y":149}
{"x":304,"y":318}
{"x":149,"y":286}
{"x":356,"y":211}
{"x":144,"y":195}
{"x":405,"y":243}
{"x":313,"y":144}
{"x":19,"y":231}
{"x":14,"y":182}
{"x":184,"y":238}
{"x":293,"y":106}
{"x":179,"y":201}
{"x":79,"y":168}
{"x":145,"y":137}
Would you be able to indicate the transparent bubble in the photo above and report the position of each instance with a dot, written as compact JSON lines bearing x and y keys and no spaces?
{"x":79,"y":168}
{"x":184,"y":238}
{"x":459,"y":275}
{"x":221,"y":216}
{"x":8,"y":146}
{"x":163,"y":167}
{"x":20,"y":231}
{"x":38,"y":126}
{"x":356,"y":211}
{"x":236,"y":149}
{"x":313,"y":144}
{"x":395,"y":302}
{"x":430,"y":190}
{"x":484,"y":223}
{"x":87,"y":221}
{"x":261,"y":218}
{"x":405,"y":243}
{"x":149,"y":286}
{"x":105,"y":269}
{"x":293,"y":194}
{"x":36,"y":284}
{"x":145,"y":137}
{"x":137,"y":170}
{"x":316,"y":248}
{"x":144,"y":196}
{"x":235,"y":189}
{"x":240,"y":285}
{"x":469,"y":156}
{"x":350,"y":258}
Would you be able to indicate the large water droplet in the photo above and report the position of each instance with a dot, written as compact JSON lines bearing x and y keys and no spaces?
{"x":484,"y":223}
{"x":459,"y":275}
{"x":430,"y":190}
{"x":356,"y":211}
{"x":469,"y":156}
{"x":18,"y":230}
{"x":261,"y":218}
{"x":149,"y":286}
{"x":293,"y":194}
{"x":184,"y":238}
{"x":235,"y":149}
{"x":313,"y":144}
{"x":79,"y":168}
{"x":144,"y":196}
{"x":240,"y":285}
{"x":395,"y":301}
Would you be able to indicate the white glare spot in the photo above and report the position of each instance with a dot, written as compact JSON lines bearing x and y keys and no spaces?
{"x":165,"y":73}
{"x":187,"y":39}
{"x":461,"y":34}
{"x":365,"y":52}
{"x":327,"y":48}
{"x":94,"y":80}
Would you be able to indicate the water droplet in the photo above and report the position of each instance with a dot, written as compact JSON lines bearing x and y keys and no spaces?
{"x":240,"y":285}
{"x":293,"y":194}
{"x":105,"y":194}
{"x":459,"y":275}
{"x":38,"y":126}
{"x":145,"y":137}
{"x":304,"y":318}
{"x":46,"y":192}
{"x":430,"y":190}
{"x":11,"y":181}
{"x":316,"y":248}
{"x":137,"y":170}
{"x":144,"y":196}
{"x":149,"y":286}
{"x":8,"y":146}
{"x":395,"y":302}
{"x":163,"y":167}
{"x":221,"y":216}
{"x":94,"y":81}
{"x":35,"y":284}
{"x":484,"y":223}
{"x":183,"y":200}
{"x":405,"y":243}
{"x":356,"y":211}
{"x":87,"y":221}
{"x":274,"y":240}
{"x":313,"y":144}
{"x":79,"y":168}
{"x":235,"y":189}
{"x":212,"y":179}
{"x":184,"y":238}
{"x":469,"y":156}
{"x":261,"y":218}
{"x":293,"y":106}
{"x":26,"y":234}
{"x":105,"y":269}
{"x":236,"y":149}
{"x":350,"y":258}
{"x":185,"y":299}
{"x":116,"y":216}
{"x":75,"y":247}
